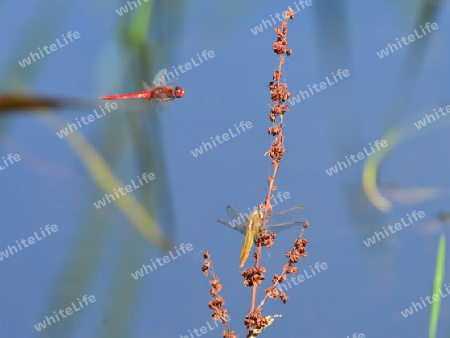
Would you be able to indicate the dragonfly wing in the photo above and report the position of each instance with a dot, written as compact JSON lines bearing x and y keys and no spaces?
{"x":238,"y":227}
{"x":145,"y":85}
{"x":298,"y":209}
{"x":157,"y":107}
{"x":233,"y":213}
{"x":161,"y":106}
{"x":287,"y":219}
{"x":289,"y":215}
{"x":171,"y":80}
{"x":160,"y":78}
{"x":283,"y":226}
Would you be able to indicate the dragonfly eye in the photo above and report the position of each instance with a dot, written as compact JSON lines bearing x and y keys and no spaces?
{"x":179,"y":92}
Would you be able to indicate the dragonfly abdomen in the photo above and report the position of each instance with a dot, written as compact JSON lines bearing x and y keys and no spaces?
{"x":146,"y":94}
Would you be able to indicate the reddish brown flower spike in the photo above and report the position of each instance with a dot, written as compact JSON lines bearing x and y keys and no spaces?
{"x":290,"y":13}
{"x":254,"y":276}
{"x":277,"y":75}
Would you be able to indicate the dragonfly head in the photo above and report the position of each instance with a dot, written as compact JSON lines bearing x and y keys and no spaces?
{"x":179,"y":92}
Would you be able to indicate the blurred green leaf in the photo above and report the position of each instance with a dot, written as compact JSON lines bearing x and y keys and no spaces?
{"x":437,"y":286}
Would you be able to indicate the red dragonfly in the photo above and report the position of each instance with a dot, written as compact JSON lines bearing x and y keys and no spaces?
{"x":160,"y":91}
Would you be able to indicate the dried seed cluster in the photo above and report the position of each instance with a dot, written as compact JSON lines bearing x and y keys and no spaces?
{"x":298,"y":252}
{"x":217,"y":303}
{"x":279,"y":94}
{"x":278,"y":91}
